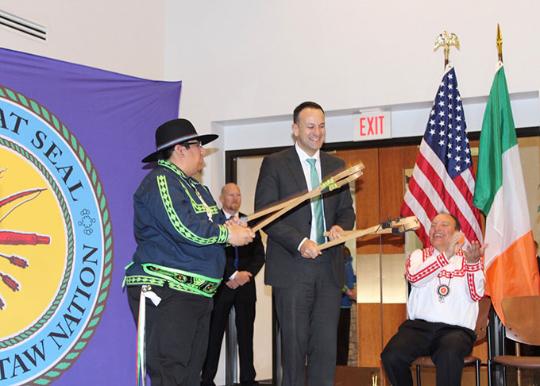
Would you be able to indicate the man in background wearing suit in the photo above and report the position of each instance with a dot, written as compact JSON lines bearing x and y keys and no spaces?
{"x":237,"y":289}
{"x":306,"y":283}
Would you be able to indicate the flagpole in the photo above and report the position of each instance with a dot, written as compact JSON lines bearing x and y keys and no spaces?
{"x":446,"y":40}
{"x":444,"y":160}
{"x":496,"y":332}
{"x":499,"y":44}
{"x":510,"y":271}
{"x":499,"y":328}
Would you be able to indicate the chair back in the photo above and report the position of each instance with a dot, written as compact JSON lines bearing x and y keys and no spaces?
{"x":483,"y":318}
{"x":522,"y":315}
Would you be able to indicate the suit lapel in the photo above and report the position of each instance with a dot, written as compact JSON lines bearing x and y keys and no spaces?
{"x":326,"y":170}
{"x":293,"y":163}
{"x":298,"y":179}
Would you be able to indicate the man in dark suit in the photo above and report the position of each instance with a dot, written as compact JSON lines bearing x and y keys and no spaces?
{"x":237,"y":289}
{"x":306,"y":283}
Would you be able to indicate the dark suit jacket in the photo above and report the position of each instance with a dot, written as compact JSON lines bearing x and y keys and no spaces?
{"x":250,"y":258}
{"x":281,"y":177}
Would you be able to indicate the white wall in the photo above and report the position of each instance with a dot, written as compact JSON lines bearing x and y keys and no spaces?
{"x":125,"y":36}
{"x":406,"y":120}
{"x":246,"y":59}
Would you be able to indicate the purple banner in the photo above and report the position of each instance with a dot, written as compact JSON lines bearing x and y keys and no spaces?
{"x":71,"y":141}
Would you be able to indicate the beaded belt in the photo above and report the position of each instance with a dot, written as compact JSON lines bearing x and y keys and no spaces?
{"x":176,"y":279}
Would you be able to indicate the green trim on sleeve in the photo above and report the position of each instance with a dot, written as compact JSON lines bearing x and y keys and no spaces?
{"x":223,"y":234}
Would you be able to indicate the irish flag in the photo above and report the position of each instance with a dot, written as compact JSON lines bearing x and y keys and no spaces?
{"x":510,"y":257}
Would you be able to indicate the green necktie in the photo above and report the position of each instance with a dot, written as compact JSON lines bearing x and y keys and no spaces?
{"x":317,"y":202}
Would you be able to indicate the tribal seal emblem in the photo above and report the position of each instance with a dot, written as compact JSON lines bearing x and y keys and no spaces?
{"x":55,"y":244}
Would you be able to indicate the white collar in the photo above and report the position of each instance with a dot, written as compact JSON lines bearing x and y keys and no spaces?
{"x":304,"y":156}
{"x":229,"y":215}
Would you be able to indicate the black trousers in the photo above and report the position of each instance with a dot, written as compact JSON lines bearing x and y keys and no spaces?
{"x":308,"y":313}
{"x":447,"y":345}
{"x":243,"y":299}
{"x":344,"y":326}
{"x":176,"y":335}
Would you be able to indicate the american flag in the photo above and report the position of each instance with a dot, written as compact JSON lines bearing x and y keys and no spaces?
{"x":442,"y":179}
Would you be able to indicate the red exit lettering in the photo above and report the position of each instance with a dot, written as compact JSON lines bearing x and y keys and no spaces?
{"x":371,"y":125}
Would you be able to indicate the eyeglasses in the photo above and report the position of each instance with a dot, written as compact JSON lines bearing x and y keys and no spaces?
{"x":194,"y":143}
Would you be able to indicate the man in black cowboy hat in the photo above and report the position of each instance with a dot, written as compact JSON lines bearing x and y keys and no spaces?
{"x":179,"y":260}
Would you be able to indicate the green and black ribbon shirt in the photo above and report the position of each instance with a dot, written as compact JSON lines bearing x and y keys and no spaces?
{"x":179,"y":232}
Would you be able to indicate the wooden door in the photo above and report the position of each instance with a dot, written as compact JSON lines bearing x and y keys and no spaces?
{"x":378,"y":197}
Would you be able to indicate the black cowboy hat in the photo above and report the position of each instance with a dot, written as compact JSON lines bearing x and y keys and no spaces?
{"x":174,"y":132}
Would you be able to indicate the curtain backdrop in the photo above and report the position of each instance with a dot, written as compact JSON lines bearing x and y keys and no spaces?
{"x":71,"y":141}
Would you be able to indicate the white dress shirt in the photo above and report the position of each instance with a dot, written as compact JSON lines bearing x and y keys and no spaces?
{"x":426,"y":270}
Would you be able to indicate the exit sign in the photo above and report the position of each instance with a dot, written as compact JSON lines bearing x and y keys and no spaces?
{"x":371,"y":125}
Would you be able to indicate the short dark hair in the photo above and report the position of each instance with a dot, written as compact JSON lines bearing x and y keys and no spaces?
{"x":166,"y":153}
{"x":458,"y":224}
{"x":305,"y":105}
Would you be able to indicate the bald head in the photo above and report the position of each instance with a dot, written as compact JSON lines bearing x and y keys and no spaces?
{"x":230,"y":198}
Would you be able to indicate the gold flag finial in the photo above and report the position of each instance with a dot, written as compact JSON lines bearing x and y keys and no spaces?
{"x":499,"y":43}
{"x":446,"y":40}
